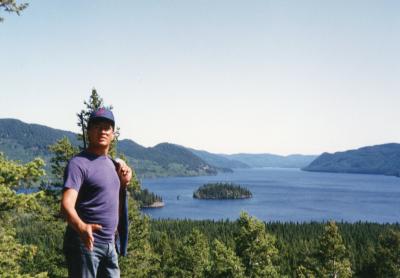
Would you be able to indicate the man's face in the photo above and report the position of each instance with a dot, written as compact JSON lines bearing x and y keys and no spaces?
{"x":100,"y":133}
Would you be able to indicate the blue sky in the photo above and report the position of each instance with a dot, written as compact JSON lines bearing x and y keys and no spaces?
{"x":224,"y":76}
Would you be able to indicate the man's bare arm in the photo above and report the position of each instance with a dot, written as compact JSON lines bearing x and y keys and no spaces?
{"x":84,"y":230}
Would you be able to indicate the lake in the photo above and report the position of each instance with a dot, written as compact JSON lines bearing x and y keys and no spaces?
{"x":281,"y":194}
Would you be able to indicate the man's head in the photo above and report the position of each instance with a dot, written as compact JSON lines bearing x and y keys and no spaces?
{"x":101,"y":127}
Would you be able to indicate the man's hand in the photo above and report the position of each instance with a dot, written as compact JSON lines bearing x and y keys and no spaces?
{"x":124,"y":172}
{"x":84,"y":230}
{"x":86,"y":234}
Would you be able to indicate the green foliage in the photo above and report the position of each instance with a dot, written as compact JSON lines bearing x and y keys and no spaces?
{"x":141,"y":260}
{"x":388,"y":254}
{"x":165,"y":249}
{"x":164,"y":160}
{"x":256,"y":248}
{"x":12,"y":253}
{"x":144,"y":197}
{"x":221,"y":191}
{"x":23,"y":142}
{"x":14,"y":174}
{"x":11,"y":6}
{"x":332,"y":254}
{"x":330,"y":258}
{"x":46,"y":233}
{"x":63,"y":151}
{"x":224,"y":262}
{"x":193,"y":256}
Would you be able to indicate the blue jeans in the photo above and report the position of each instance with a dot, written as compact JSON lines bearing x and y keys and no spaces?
{"x":102,"y":261}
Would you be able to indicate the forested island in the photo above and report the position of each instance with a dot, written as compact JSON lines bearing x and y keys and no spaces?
{"x":147,"y":199}
{"x":221,"y":191}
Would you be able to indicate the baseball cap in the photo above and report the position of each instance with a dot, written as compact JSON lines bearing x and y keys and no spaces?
{"x":102,"y":114}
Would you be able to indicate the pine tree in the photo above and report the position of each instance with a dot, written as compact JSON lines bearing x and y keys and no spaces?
{"x":224,"y":262}
{"x":256,"y":248}
{"x":95,"y":102}
{"x":193,"y":256}
{"x":332,"y":256}
{"x":388,"y":254}
{"x":141,"y":261}
{"x":164,"y":249}
{"x":63,"y":151}
{"x":14,"y":174}
{"x":11,"y":6}
{"x":12,"y":205}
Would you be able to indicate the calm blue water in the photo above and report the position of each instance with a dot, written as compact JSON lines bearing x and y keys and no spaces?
{"x":284,"y":195}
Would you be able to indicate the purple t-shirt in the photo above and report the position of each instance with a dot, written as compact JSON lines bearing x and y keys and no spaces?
{"x":97,"y":183}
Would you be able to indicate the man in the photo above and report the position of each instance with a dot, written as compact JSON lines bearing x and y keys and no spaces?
{"x":90,"y":202}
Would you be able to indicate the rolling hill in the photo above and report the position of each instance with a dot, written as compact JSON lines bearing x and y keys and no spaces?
{"x":379,"y":159}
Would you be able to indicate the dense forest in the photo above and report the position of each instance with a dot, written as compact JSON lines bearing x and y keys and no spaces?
{"x":220,"y":191}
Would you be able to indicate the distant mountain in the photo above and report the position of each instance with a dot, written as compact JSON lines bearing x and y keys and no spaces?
{"x":223,"y":163}
{"x":272,"y":160}
{"x":22,"y":141}
{"x":380,"y":159}
{"x":174,"y":160}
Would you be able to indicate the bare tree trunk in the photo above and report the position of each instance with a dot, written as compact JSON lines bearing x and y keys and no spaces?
{"x":83,"y":129}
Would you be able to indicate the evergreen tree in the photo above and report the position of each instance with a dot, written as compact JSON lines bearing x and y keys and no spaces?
{"x":388,"y":254}
{"x":11,"y":6}
{"x":256,"y":248}
{"x":193,"y":256}
{"x":63,"y":151}
{"x":95,"y":102}
{"x":13,"y":253}
{"x":141,"y":261}
{"x":224,"y":262}
{"x":16,"y":175}
{"x":332,"y":256}
{"x":164,"y":250}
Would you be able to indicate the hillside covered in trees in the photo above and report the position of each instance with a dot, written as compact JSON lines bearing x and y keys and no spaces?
{"x":380,"y":159}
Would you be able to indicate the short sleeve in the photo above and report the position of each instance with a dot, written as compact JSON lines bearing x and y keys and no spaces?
{"x":73,"y":175}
